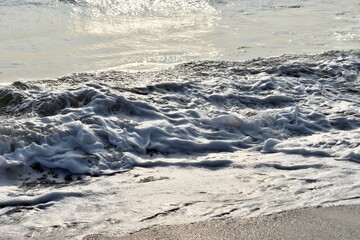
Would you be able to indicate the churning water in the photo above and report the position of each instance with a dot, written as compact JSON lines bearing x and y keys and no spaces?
{"x":199,"y":140}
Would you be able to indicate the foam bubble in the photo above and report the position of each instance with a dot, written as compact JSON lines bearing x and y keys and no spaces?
{"x":91,"y":124}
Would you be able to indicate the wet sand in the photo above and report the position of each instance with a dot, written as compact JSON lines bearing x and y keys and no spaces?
{"x":341,"y":222}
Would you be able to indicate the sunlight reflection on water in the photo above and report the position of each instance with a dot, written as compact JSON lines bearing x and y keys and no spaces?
{"x":66,"y":36}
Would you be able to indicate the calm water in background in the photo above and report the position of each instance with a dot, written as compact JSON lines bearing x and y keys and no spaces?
{"x":50,"y":38}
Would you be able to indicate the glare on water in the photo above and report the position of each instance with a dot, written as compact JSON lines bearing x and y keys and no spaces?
{"x":47,"y":39}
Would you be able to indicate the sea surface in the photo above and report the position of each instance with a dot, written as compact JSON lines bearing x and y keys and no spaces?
{"x":177,"y":112}
{"x":50,"y":38}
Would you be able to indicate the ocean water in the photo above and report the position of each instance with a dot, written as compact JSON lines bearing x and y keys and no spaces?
{"x":50,"y":38}
{"x":101,"y":123}
{"x":113,"y":152}
{"x":205,"y":132}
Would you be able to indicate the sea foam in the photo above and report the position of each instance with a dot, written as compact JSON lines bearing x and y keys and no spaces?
{"x":101,"y":123}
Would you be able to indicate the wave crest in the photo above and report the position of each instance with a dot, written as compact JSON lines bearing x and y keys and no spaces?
{"x":100,"y":123}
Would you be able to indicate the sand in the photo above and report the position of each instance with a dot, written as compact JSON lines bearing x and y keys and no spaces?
{"x":341,"y":222}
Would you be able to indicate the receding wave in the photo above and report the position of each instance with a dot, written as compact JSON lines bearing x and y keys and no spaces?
{"x":98,"y":123}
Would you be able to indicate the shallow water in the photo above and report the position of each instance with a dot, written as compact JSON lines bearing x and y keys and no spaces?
{"x":95,"y":124}
{"x":197,"y":141}
{"x":50,"y":38}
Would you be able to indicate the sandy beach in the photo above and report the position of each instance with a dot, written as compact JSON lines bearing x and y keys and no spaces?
{"x":341,"y":222}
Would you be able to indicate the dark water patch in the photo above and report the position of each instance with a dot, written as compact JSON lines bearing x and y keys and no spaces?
{"x":211,"y":165}
{"x":68,"y":1}
{"x":30,"y":201}
{"x":289,"y":168}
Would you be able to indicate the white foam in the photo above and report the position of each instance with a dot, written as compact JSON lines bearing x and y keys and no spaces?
{"x":179,"y":189}
{"x":83,"y":126}
{"x":201,"y":140}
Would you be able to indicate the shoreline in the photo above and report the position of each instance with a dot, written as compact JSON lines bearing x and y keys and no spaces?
{"x":334,"y":222}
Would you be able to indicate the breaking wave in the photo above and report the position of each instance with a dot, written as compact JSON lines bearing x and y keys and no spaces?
{"x":100,"y":123}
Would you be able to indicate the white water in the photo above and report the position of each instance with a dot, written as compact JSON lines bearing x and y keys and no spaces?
{"x":50,"y":38}
{"x":95,"y":124}
{"x":200,"y":141}
{"x":113,"y":152}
